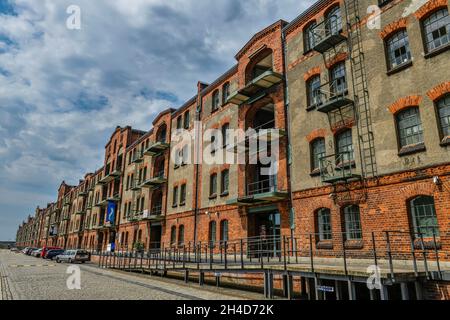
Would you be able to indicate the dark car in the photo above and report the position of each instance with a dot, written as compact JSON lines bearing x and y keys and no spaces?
{"x":50,"y":254}
{"x":30,"y":250}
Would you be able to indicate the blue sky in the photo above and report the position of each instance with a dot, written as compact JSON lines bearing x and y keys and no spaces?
{"x":62,"y":92}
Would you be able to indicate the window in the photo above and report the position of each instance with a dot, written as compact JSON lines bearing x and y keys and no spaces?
{"x":184,"y":155}
{"x":424,"y":216}
{"x":225,"y":134}
{"x":225,"y":92}
{"x":224,"y":230}
{"x":187,"y":120}
{"x":313,"y":94}
{"x":338,"y":81}
{"x":212,"y":233}
{"x":308,"y":35}
{"x":183,"y":195}
{"x":409,"y":126}
{"x":173,"y":235}
{"x":443,"y":107}
{"x":215,"y":101}
{"x":344,"y":146}
{"x":352,"y":223}
{"x":175,"y":196}
{"x":324,"y":224}
{"x":225,"y":181}
{"x":179,"y":122}
{"x":317,"y":153}
{"x":436,"y":29}
{"x":398,"y":52}
{"x":181,"y":235}
{"x":334,"y":21}
{"x":213,"y":185}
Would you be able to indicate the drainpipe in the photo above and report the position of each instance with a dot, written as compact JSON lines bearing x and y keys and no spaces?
{"x":288,"y":130}
{"x":197,"y":154}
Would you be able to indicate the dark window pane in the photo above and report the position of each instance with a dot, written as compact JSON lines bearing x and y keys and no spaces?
{"x":398,"y":49}
{"x":444,"y":115}
{"x":424,"y":216}
{"x":409,"y":127}
{"x":338,"y":81}
{"x":324,"y":224}
{"x":352,"y":223}
{"x":318,"y":152}
{"x":344,"y":146}
{"x":334,"y":21}
{"x":313,"y":86}
{"x":437,"y":29}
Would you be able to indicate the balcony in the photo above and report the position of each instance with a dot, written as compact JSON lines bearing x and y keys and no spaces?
{"x":332,"y":96}
{"x":137,"y":157}
{"x":156,"y":148}
{"x":102,"y":203}
{"x":110,"y":176}
{"x":153,"y":183}
{"x":261,"y":192}
{"x":338,"y":168}
{"x":115,"y":198}
{"x":135,"y":185}
{"x":80,"y":212}
{"x":328,"y":34}
{"x":154,"y":215}
{"x":83,"y":193}
{"x":255,"y":88}
{"x":66,"y":203}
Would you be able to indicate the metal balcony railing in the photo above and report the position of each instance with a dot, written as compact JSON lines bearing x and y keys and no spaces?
{"x":338,"y":167}
{"x":262,"y":186}
{"x":332,"y":95}
{"x":328,"y":34}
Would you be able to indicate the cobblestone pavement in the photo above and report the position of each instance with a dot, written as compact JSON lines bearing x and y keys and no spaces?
{"x":28,"y":278}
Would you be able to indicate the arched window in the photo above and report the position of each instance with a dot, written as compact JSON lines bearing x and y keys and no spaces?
{"x":324,"y":224}
{"x":352,"y":223}
{"x":436,"y":30}
{"x":173,"y":235}
{"x":181,"y":235}
{"x":212,"y":233}
{"x":423,"y":216}
{"x":312,"y":88}
{"x":179,"y":122}
{"x":187,"y":119}
{"x":333,"y":23}
{"x":317,"y":153}
{"x":213,"y":185}
{"x":338,"y":79}
{"x":225,"y":134}
{"x":215,"y":100}
{"x":409,"y":126}
{"x":397,"y":49}
{"x":443,"y":107}
{"x":225,"y":92}
{"x":308,"y":36}
{"x":224,"y":230}
{"x":344,"y":146}
{"x":225,"y":181}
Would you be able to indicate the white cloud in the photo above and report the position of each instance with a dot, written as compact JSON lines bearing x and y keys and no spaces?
{"x":62,"y":92}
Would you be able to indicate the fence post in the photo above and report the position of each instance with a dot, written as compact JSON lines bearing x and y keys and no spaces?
{"x":226,"y":254}
{"x":284,"y":253}
{"x":374,"y":247}
{"x":413,"y":252}
{"x":311,"y":253}
{"x":425,"y":259}
{"x":389,"y":252}
{"x":242,"y":254}
{"x":436,"y":251}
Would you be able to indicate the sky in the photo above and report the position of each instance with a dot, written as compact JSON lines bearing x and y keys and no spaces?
{"x":63,"y":91}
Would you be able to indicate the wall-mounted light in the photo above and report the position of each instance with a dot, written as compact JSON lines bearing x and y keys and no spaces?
{"x":437,"y":181}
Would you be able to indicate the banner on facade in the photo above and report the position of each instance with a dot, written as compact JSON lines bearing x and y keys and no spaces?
{"x":111,"y":212}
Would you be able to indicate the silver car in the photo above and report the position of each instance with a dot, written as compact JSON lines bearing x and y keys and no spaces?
{"x":74,"y":256}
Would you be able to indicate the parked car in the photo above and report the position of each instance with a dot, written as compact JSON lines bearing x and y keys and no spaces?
{"x":51,"y":254}
{"x":30,"y":250}
{"x":24,"y":250}
{"x":36,"y":253}
{"x":74,"y":256}
{"x":46,"y":249}
{"x":14,"y":250}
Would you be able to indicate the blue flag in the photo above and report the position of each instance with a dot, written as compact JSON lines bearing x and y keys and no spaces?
{"x":111,"y":212}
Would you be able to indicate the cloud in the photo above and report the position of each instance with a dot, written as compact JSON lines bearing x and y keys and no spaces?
{"x":62,"y":92}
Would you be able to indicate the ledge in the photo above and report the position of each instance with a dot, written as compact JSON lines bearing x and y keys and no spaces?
{"x":325,"y":244}
{"x":411,"y":149}
{"x":213,"y":197}
{"x":354,"y":244}
{"x":399,"y":68}
{"x":225,"y":194}
{"x":445,"y":142}
{"x":437,"y":51}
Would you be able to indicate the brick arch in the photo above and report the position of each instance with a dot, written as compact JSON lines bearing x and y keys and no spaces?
{"x":315,"y":134}
{"x":417,"y":189}
{"x":322,"y":203}
{"x":429,"y":7}
{"x":404,"y":103}
{"x":438,"y":92}
{"x":336,"y":59}
{"x":311,"y":73}
{"x":393,"y":27}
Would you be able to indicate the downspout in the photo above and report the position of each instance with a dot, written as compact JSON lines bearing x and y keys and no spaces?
{"x":198,"y":157}
{"x":288,"y":138}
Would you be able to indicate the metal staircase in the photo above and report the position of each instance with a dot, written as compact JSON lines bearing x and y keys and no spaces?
{"x":360,"y":89}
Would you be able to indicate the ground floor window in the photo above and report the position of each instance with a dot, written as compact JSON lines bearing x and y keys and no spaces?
{"x":424,"y":216}
{"x":352,"y":221}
